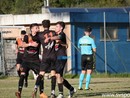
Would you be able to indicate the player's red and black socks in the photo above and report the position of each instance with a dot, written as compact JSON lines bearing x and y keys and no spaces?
{"x":26,"y":77}
{"x":41,"y":87}
{"x":38,"y":81}
{"x":67,"y":85}
{"x":60,"y":87}
{"x":53,"y":84}
{"x":21,"y":81}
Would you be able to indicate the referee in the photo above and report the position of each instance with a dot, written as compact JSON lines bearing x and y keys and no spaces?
{"x":87,"y":47}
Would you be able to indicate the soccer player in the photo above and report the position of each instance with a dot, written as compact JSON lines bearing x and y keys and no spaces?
{"x":20,"y":52}
{"x":87,"y":47}
{"x":60,"y":49}
{"x":31,"y":57}
{"x":48,"y":59}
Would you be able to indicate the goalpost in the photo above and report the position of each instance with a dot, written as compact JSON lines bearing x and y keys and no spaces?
{"x":7,"y":51}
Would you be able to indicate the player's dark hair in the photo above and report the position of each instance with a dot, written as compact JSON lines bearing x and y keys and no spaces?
{"x":88,"y":29}
{"x":61,"y":23}
{"x":23,"y":32}
{"x":33,"y":25}
{"x":46,"y":23}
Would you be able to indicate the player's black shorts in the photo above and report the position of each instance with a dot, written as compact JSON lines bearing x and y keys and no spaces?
{"x":47,"y":64}
{"x":19,"y":58}
{"x":60,"y":64}
{"x":87,"y":62}
{"x":26,"y":66}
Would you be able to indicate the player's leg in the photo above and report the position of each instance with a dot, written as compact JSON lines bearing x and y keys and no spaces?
{"x":18,"y":63}
{"x":21,"y":79}
{"x":71,"y":89}
{"x":60,"y":68}
{"x":52,"y":68}
{"x":36,"y":72}
{"x":89,"y":71}
{"x":81,"y":78}
{"x":53,"y":83}
{"x":41,"y":87}
{"x":18,"y":69}
{"x":83,"y":72}
{"x":39,"y":82}
{"x":88,"y":79}
{"x":59,"y":72}
{"x":26,"y":79}
{"x":60,"y":85}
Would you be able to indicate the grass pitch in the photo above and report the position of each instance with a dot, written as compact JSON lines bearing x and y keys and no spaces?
{"x":101,"y":88}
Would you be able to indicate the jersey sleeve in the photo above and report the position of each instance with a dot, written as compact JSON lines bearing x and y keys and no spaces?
{"x":62,"y":36}
{"x":25,"y":39}
{"x":93,"y":44}
{"x":54,"y":33}
{"x":38,"y":40}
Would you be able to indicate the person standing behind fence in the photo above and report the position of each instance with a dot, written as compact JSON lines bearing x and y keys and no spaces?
{"x":87,"y":47}
{"x":20,"y":52}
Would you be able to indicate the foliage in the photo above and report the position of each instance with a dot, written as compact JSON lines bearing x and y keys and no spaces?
{"x":34,"y":6}
{"x":6,"y":6}
{"x":28,"y":6}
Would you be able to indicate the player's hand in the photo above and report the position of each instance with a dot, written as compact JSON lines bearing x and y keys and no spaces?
{"x":46,"y":40}
{"x":34,"y":44}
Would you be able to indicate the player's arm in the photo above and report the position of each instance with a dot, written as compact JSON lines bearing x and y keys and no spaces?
{"x":27,"y":44}
{"x":55,"y":37}
{"x":94,"y":50}
{"x":93,"y":46}
{"x":79,"y":44}
{"x":34,"y":44}
{"x":16,"y":47}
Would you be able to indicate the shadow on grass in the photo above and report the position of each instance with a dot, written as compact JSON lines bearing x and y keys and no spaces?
{"x":105,"y":82}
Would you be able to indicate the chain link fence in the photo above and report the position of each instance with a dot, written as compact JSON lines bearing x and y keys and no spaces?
{"x":8,"y":35}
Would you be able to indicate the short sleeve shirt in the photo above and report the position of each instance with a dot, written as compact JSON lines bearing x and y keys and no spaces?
{"x":86,"y":44}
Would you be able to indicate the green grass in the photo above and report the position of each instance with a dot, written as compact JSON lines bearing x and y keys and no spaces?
{"x":100,"y":86}
{"x":101,"y":75}
{"x":94,"y":75}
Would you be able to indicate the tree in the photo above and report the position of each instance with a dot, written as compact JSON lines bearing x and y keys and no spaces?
{"x":28,"y":6}
{"x":65,"y":3}
{"x":6,"y":6}
{"x":34,"y":6}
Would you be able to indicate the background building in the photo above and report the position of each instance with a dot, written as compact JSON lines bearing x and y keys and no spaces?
{"x":110,"y":32}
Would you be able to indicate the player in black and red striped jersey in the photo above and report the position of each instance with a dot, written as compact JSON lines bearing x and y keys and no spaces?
{"x":48,"y":58}
{"x":20,"y":53}
{"x":31,"y":59}
{"x":61,"y":53}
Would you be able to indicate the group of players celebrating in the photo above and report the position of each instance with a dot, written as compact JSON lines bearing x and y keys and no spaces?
{"x":54,"y":58}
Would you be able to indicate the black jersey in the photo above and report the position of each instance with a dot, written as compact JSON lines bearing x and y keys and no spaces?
{"x":31,"y":53}
{"x":49,"y":47}
{"x":19,"y":43}
{"x":61,"y":45}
